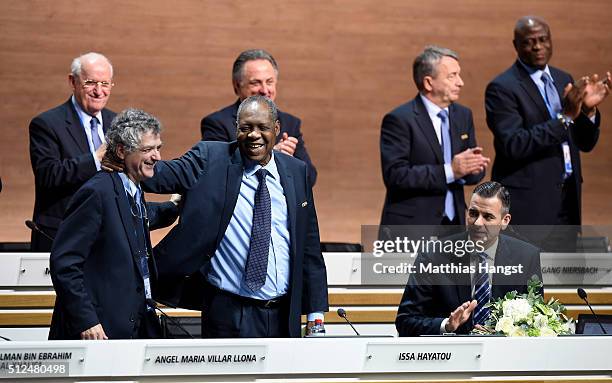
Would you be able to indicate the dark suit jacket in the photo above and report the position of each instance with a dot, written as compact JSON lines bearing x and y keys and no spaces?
{"x":209,"y":177}
{"x":94,"y":266}
{"x":413,"y":164}
{"x":221,"y":126}
{"x":61,"y":162}
{"x":528,"y":154}
{"x":428,"y":298}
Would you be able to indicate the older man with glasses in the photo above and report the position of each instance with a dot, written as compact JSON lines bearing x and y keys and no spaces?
{"x":67,"y":143}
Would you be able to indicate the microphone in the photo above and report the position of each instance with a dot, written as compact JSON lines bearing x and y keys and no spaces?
{"x":153,"y":304}
{"x":342,"y":314}
{"x":583,"y":295}
{"x":34,"y":227}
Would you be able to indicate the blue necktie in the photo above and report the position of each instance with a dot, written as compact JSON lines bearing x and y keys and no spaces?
{"x":449,"y":205}
{"x":553,"y":103}
{"x":257,"y":261}
{"x":482,"y":291}
{"x":95,"y":138}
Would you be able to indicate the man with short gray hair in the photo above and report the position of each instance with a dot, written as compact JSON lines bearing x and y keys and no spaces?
{"x":255,"y":72}
{"x":67,"y":143}
{"x":101,"y":264}
{"x":428,"y":147}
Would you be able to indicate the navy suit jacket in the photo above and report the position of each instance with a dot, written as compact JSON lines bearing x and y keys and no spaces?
{"x":94,"y":266}
{"x":428,"y":298}
{"x":209,"y":177}
{"x":528,"y":154}
{"x":221,"y":126}
{"x":413,"y":164}
{"x":61,"y":162}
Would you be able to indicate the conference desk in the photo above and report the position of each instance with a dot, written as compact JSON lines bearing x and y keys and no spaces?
{"x":326,"y":359}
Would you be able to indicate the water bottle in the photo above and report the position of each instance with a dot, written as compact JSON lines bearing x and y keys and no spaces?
{"x":318,"y":329}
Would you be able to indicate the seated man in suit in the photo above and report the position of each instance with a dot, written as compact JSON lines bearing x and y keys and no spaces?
{"x":255,"y":72}
{"x":246,"y":250}
{"x":101,"y":266}
{"x":428,"y":147}
{"x":466,"y":282}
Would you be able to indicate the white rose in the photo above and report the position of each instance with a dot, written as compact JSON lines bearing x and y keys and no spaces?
{"x":545,"y":331}
{"x":540,"y":321}
{"x":517,"y":331}
{"x":517,"y":309}
{"x":505,"y":325}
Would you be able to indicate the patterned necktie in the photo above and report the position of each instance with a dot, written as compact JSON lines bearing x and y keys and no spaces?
{"x":257,"y":261}
{"x":482,"y":291}
{"x":553,"y":103}
{"x":95,"y":138}
{"x":449,"y":205}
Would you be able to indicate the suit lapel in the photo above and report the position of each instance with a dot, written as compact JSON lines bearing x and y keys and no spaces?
{"x":126,"y":215}
{"x":107,"y":118}
{"x":233,"y":182}
{"x":75,"y":127}
{"x":531,"y":89}
{"x":286,"y":179}
{"x":232,"y":132}
{"x":462,"y":281}
{"x":422,"y":118}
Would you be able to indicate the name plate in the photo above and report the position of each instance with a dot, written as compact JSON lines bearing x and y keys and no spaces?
{"x":29,"y":362}
{"x":419,"y":357}
{"x":218,"y":359}
{"x":576,"y":268}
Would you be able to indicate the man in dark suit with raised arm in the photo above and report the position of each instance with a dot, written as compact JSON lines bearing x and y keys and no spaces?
{"x":246,"y":250}
{"x":541,"y":120}
{"x":101,"y":264}
{"x":255,"y":72}
{"x":67,"y":143}
{"x":454,"y":300}
{"x":428,"y":147}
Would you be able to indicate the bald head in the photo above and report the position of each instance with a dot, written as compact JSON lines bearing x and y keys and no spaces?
{"x":529,"y":22}
{"x":89,"y":59}
{"x":532,"y":41}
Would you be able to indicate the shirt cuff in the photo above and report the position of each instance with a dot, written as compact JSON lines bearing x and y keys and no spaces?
{"x":98,"y":165}
{"x":314,"y":316}
{"x":448,"y":171}
{"x":443,"y":326}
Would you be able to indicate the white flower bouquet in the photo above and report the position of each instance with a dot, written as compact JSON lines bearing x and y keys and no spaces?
{"x":526,"y":315}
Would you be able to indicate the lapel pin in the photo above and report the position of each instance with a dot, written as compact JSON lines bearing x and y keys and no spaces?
{"x":464,"y":136}
{"x":304,"y":204}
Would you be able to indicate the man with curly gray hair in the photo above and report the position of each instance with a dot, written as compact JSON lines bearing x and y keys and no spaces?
{"x":101,"y":266}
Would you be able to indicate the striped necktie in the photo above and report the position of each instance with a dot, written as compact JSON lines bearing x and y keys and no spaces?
{"x":482,"y":291}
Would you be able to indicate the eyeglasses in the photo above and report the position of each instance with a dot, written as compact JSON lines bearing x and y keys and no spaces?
{"x":90,"y":84}
{"x":137,"y":210}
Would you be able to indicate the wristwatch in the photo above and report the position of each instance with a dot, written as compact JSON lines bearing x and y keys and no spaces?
{"x":565,"y":120}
